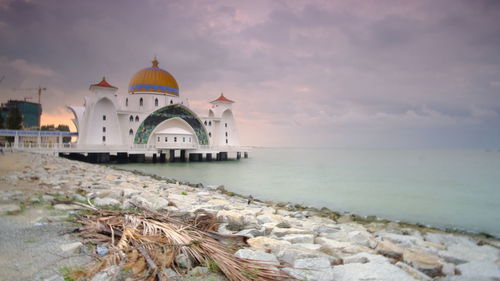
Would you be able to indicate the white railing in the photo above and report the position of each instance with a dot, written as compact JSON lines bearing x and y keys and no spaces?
{"x":74,"y":147}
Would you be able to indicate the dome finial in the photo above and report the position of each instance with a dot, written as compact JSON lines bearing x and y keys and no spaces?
{"x":155,"y":62}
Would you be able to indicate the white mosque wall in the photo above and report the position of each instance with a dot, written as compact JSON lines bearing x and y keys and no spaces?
{"x":104,"y":124}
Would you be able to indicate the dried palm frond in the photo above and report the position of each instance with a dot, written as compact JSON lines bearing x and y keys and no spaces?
{"x":146,"y":243}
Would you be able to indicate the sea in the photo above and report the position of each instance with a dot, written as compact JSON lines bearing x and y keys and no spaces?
{"x":448,"y":189}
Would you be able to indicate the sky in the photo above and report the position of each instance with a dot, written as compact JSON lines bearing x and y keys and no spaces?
{"x":336,"y":73}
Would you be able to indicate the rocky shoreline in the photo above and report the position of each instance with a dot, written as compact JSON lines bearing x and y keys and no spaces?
{"x":316,"y":244}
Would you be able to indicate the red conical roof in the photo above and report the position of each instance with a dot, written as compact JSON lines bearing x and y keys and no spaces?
{"x":223,"y":99}
{"x":103,"y":84}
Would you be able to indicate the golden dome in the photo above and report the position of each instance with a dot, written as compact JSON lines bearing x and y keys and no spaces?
{"x":153,"y":79}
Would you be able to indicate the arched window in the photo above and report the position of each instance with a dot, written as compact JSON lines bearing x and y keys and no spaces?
{"x":141,"y":102}
{"x":126,"y":102}
{"x":226,"y":140}
{"x":104,"y":129}
{"x":104,"y":118}
{"x":183,"y":139}
{"x":205,"y":122}
{"x":131,"y":118}
{"x":156,"y":102}
{"x":189,"y":139}
{"x":209,"y":134}
{"x":136,"y":118}
{"x":225,"y":124}
{"x":166,"y":139}
{"x":175,"y":139}
{"x":130,"y":132}
{"x":209,"y":123}
{"x":171,"y":102}
{"x":226,"y":134}
{"x":103,"y":138}
{"x":158,"y":139}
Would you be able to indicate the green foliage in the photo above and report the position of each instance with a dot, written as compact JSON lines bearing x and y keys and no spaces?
{"x":212,"y":266}
{"x":60,"y":127}
{"x":184,"y":193}
{"x":72,"y":273}
{"x":14,"y":119}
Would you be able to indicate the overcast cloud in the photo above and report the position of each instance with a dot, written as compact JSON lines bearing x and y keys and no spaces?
{"x":324,"y":73}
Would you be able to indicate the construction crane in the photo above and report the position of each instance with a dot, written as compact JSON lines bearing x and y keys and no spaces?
{"x":39,"y":89}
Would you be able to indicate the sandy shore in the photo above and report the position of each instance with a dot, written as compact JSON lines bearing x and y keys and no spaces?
{"x":317,"y":245}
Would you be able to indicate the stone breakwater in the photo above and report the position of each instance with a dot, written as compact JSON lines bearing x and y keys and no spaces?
{"x":316,"y":248}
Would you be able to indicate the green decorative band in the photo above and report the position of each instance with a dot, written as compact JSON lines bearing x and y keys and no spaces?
{"x":154,"y":119}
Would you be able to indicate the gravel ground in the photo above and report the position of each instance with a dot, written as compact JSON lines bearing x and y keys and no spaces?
{"x":30,"y":248}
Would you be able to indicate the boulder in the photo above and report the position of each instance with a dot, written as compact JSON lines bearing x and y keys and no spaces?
{"x":7,"y":208}
{"x":280,"y":232}
{"x":309,"y":246}
{"x":480,"y":269}
{"x":106,"y":201}
{"x":319,"y":269}
{"x":292,"y":253}
{"x":71,"y":247}
{"x":417,"y":275}
{"x":423,"y":261}
{"x":299,"y":238}
{"x":257,"y":255}
{"x":269,"y":218}
{"x":356,"y":237}
{"x":234,"y":220}
{"x":369,"y":271}
{"x":365,"y":258}
{"x":389,"y":249}
{"x":267,"y":244}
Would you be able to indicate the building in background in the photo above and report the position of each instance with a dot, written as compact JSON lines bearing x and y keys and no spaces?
{"x":30,"y":111}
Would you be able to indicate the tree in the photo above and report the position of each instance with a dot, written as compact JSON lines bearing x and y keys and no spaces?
{"x":64,"y":128}
{"x":1,"y":121}
{"x":14,"y":119}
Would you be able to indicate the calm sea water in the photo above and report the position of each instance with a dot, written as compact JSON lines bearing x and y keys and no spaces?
{"x":443,"y":188}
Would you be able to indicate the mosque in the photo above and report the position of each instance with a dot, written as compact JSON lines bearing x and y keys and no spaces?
{"x":154,"y":116}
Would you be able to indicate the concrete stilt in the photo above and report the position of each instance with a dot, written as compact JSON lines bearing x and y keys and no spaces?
{"x":154,"y":157}
{"x":208,"y":157}
{"x":162,"y":157}
{"x":172,"y":156}
{"x":122,"y":157}
{"x":183,"y":155}
{"x":238,"y":155}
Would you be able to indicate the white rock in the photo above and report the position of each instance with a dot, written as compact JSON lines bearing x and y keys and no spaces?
{"x":106,"y":202}
{"x":480,"y":269}
{"x":71,"y":247}
{"x":356,"y":237}
{"x":257,"y":255}
{"x":233,"y":219}
{"x":311,"y":269}
{"x":299,"y":238}
{"x":361,"y":257}
{"x":292,"y":253}
{"x":369,"y":271}
{"x":417,"y":275}
{"x":309,"y":246}
{"x":280,"y":232}
{"x":267,"y":244}
{"x":423,"y":261}
{"x":4,"y":208}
